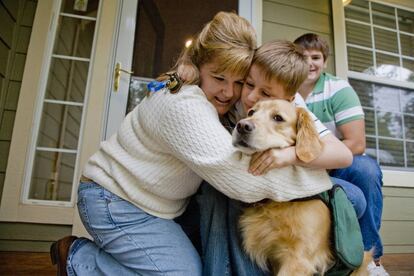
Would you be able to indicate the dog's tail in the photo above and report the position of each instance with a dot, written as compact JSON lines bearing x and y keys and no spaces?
{"x":363,"y":269}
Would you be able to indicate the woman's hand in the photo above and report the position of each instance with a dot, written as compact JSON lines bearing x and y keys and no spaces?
{"x":262,"y":162}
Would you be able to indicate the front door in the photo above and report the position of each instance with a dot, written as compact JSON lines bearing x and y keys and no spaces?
{"x":151,"y":36}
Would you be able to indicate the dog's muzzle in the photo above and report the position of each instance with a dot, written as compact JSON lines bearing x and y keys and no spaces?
{"x":241,"y":135}
{"x":245,"y":127}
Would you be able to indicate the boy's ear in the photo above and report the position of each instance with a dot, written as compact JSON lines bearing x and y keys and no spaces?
{"x":325,"y":64}
{"x":308,"y":144}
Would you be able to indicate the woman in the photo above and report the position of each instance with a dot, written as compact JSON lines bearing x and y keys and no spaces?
{"x":142,"y":177}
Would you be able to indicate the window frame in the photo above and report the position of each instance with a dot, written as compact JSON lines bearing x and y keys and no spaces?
{"x":393,"y":177}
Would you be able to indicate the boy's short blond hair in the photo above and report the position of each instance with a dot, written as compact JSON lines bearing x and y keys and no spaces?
{"x":283,"y":61}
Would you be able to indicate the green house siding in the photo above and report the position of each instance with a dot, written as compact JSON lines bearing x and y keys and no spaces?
{"x":30,"y":237}
{"x":398,"y":220}
{"x":16,"y":20}
{"x":288,"y":19}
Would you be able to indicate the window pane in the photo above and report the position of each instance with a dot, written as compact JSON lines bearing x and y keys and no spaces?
{"x":90,"y":9}
{"x":407,"y":72}
{"x":371,"y":147}
{"x":358,"y":10}
{"x":386,"y":40}
{"x":59,"y":127}
{"x":409,"y":127}
{"x":389,"y":67}
{"x":67,"y":80}
{"x":364,"y":91}
{"x":369,"y":121}
{"x":52,"y":176}
{"x":358,"y":34}
{"x":387,"y":98}
{"x":389,"y":124}
{"x":137,"y":91}
{"x":383,"y":15}
{"x":407,"y":101}
{"x":406,"y":21}
{"x":407,"y":45}
{"x":383,"y":59}
{"x":391,"y":153}
{"x":359,"y":60}
{"x":74,"y":37}
{"x":410,"y":154}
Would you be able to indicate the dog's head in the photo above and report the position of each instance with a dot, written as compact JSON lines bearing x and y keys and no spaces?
{"x":278,"y":124}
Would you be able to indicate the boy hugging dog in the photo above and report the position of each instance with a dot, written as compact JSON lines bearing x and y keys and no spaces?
{"x":293,"y":237}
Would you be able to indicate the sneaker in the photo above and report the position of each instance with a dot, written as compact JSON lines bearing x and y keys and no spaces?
{"x":376,"y":270}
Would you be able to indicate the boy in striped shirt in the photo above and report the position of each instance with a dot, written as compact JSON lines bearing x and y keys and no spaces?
{"x":337,"y":105}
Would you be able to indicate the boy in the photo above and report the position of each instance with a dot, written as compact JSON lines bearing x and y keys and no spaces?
{"x":337,"y":105}
{"x":277,"y":71}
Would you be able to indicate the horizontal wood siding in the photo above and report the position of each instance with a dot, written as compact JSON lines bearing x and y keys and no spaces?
{"x":16,"y":20}
{"x":397,"y":229}
{"x":29,"y":236}
{"x":284,"y":19}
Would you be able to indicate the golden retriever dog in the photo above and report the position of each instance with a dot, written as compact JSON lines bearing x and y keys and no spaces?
{"x":293,"y":237}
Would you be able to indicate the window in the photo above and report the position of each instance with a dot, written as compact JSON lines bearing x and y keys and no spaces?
{"x":52,"y":164}
{"x":380,"y":50}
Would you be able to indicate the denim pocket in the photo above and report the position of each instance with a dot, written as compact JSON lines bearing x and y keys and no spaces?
{"x":123,"y":212}
{"x":90,"y":206}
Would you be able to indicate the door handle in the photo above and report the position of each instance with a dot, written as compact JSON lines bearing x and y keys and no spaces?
{"x":117,"y":75}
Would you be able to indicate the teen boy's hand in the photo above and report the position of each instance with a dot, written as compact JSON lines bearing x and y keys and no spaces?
{"x":262,"y":162}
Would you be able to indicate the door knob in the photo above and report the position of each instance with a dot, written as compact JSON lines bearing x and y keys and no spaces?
{"x":117,"y":75}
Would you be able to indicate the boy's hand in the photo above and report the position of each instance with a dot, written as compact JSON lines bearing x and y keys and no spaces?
{"x":262,"y":162}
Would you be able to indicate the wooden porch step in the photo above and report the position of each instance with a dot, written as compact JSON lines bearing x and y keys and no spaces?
{"x":32,"y":263}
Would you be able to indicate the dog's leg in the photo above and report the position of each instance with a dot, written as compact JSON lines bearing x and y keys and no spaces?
{"x":296,"y":266}
{"x":363,"y":269}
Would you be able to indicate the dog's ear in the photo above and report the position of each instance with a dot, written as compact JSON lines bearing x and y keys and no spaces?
{"x":308,"y":144}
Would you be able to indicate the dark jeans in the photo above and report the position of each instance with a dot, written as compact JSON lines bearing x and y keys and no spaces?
{"x":365,"y":174}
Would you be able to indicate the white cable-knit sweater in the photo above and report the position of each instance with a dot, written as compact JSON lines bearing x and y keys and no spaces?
{"x":170,"y":142}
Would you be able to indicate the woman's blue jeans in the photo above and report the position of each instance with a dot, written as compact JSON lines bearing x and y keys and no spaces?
{"x":365,"y":174}
{"x":128,"y":241}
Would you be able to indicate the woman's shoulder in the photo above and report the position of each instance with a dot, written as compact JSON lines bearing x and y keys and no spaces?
{"x":188,"y":90}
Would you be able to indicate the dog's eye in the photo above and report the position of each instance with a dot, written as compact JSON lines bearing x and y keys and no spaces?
{"x":278,"y":118}
{"x":250,"y":113}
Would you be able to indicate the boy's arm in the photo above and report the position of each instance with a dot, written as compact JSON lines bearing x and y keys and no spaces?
{"x":354,"y":136}
{"x":334,"y":155}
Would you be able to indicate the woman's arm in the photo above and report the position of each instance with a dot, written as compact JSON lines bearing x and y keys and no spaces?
{"x":334,"y":155}
{"x":189,"y":128}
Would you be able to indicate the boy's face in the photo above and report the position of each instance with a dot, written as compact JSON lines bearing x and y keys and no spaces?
{"x":257,"y":88}
{"x":316,"y":64}
{"x":222,"y":90}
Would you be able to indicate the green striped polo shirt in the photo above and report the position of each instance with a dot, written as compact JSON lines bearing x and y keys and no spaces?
{"x":334,"y":102}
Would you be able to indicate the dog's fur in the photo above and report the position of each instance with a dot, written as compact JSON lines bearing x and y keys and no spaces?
{"x":293,"y":237}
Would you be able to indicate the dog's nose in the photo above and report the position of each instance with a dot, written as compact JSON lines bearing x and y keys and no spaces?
{"x":245,"y":127}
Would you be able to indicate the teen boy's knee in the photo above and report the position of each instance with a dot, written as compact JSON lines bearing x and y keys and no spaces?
{"x":367,"y":167}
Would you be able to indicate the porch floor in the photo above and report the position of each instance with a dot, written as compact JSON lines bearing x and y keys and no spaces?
{"x":29,"y":263}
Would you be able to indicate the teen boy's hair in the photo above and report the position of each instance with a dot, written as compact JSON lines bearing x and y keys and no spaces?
{"x":311,"y":41}
{"x":283,"y":61}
